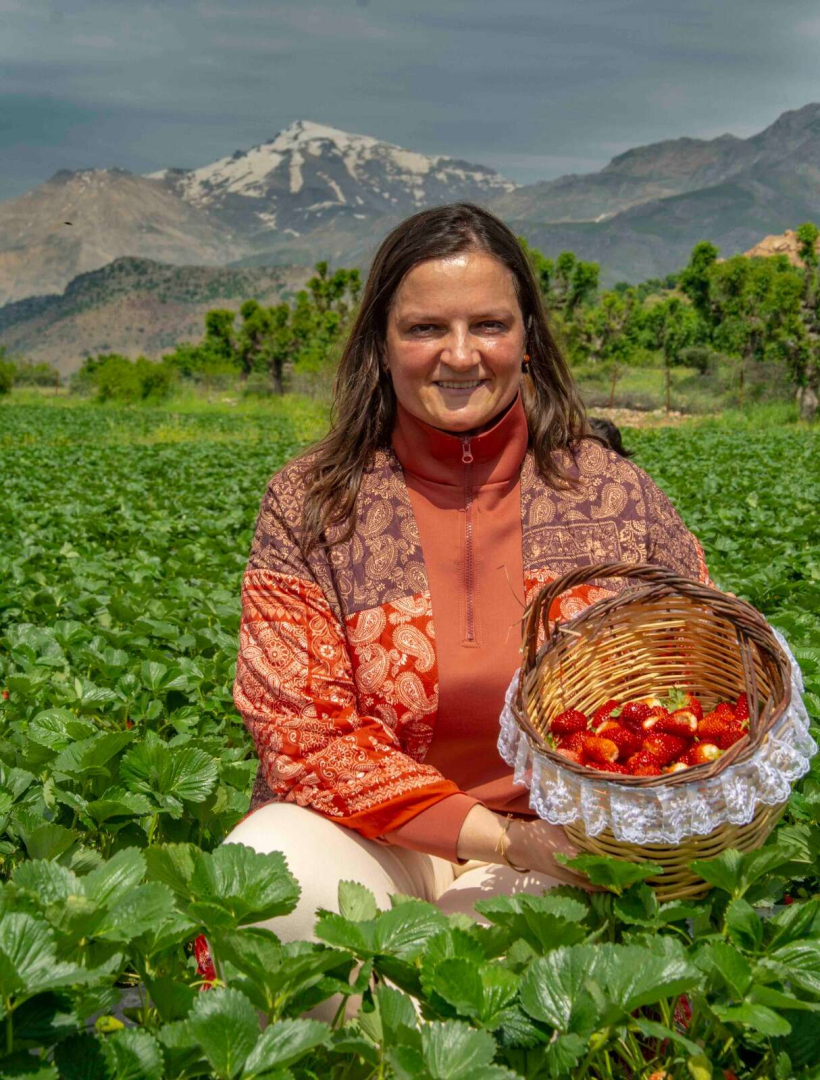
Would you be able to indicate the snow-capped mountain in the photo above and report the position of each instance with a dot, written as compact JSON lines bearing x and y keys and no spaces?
{"x":312,"y":174}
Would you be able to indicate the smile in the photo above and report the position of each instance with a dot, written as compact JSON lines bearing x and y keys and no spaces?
{"x":461,"y":385}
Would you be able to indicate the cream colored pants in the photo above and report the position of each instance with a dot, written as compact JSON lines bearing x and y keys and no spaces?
{"x":320,"y":854}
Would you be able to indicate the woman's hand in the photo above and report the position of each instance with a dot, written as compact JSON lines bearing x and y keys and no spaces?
{"x":533,"y":844}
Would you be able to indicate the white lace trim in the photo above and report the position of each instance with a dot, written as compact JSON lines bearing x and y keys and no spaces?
{"x":665,"y":815}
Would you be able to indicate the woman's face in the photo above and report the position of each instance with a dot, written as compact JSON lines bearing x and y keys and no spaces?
{"x":455,"y":341}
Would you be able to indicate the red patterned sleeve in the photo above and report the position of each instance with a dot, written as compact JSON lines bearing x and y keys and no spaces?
{"x":669,"y":542}
{"x":295,"y":691}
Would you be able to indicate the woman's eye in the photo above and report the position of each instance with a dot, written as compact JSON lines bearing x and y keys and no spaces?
{"x":427,"y":326}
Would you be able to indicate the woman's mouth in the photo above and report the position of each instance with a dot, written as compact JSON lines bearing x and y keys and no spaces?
{"x":452,"y":384}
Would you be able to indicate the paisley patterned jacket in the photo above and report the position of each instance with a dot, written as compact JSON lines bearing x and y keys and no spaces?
{"x":337,"y":677}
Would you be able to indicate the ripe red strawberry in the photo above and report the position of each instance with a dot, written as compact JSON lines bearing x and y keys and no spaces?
{"x":665,"y":748}
{"x":568,"y":722}
{"x":633,"y":714}
{"x":701,"y":754}
{"x":5,"y":695}
{"x":628,"y":742}
{"x":682,"y":722}
{"x":603,"y":712}
{"x":643,"y":764}
{"x":788,"y":900}
{"x":725,"y":709}
{"x":720,"y":729}
{"x":656,"y":713}
{"x":574,"y":742}
{"x":570,"y":755}
{"x":608,"y":766}
{"x":742,"y":707}
{"x":679,"y":698}
{"x":598,"y":748}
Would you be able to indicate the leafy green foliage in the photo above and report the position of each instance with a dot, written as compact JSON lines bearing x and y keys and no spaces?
{"x":123,"y":765}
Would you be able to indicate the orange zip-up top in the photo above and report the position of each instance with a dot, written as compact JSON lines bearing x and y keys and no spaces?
{"x":466,"y":497}
{"x":371,"y":672}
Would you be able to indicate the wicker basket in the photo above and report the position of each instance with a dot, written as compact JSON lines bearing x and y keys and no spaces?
{"x":646,"y":639}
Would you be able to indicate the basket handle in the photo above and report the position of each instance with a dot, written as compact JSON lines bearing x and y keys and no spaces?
{"x":748,"y":623}
{"x":542,"y":602}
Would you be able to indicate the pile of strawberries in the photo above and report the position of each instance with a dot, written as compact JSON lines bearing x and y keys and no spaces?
{"x":649,"y":736}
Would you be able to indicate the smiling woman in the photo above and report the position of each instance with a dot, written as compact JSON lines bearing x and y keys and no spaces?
{"x":390,"y":568}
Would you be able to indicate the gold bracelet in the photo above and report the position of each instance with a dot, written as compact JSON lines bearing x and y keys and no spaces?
{"x":503,"y":843}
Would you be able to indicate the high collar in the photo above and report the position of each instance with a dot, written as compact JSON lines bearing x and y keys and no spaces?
{"x":438,"y":456}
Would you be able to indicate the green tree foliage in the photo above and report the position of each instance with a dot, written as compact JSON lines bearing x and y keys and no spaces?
{"x":115,"y":378}
{"x":7,"y":372}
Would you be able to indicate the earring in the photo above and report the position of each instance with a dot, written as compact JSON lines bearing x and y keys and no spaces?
{"x":525,"y":362}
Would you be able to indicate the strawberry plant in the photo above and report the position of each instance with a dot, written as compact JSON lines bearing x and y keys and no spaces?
{"x":123,"y":765}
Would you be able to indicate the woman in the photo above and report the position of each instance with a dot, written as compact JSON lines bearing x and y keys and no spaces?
{"x":390,"y":567}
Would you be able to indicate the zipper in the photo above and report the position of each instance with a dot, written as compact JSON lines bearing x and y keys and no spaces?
{"x":469,"y":567}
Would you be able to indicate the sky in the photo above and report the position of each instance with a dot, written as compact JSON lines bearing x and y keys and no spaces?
{"x":532,"y":88}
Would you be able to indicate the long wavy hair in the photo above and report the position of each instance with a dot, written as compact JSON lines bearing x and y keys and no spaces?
{"x":364,"y":402}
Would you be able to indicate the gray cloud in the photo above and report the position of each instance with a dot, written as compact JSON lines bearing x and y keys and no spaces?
{"x":533,"y":88}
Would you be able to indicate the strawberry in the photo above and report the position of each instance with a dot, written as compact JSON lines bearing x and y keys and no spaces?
{"x":682,"y":723}
{"x":600,"y":749}
{"x":788,"y":900}
{"x":665,"y":748}
{"x":628,"y":742}
{"x":653,"y":701}
{"x":633,"y":714}
{"x":679,"y":698}
{"x":570,"y":755}
{"x":568,"y":722}
{"x":725,"y":709}
{"x":609,"y":766}
{"x":656,"y":713}
{"x":700,"y":754}
{"x":742,"y":707}
{"x":574,"y":742}
{"x":603,"y":712}
{"x":676,"y":766}
{"x":643,"y":764}
{"x":5,"y":695}
{"x":722,"y":730}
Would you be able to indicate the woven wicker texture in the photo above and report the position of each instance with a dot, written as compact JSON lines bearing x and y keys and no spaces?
{"x":662,"y":632}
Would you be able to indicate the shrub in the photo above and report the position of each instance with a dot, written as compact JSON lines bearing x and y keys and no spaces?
{"x":7,"y":373}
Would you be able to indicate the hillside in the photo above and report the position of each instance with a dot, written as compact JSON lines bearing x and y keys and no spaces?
{"x":135,"y":307}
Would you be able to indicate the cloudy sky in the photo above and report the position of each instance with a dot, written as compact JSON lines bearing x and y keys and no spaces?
{"x":533,"y":88}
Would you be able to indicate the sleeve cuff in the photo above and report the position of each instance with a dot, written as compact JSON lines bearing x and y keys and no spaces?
{"x":435,"y":830}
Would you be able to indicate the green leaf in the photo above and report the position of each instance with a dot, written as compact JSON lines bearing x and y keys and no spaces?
{"x":554,"y":990}
{"x":613,"y":874}
{"x":118,"y":803}
{"x":47,"y":841}
{"x":356,"y":902}
{"x":800,"y":961}
{"x":47,"y":882}
{"x":24,"y":1065}
{"x":731,"y":967}
{"x":758,"y":1017}
{"x":284,"y":1043}
{"x":28,"y":960}
{"x":638,"y":906}
{"x":225,"y":1027}
{"x":88,"y":757}
{"x":744,"y":926}
{"x":145,"y":907}
{"x":171,"y":775}
{"x":133,"y":1054}
{"x":113,"y":881}
{"x":735,"y":873}
{"x":233,"y":886}
{"x":453,"y":1051}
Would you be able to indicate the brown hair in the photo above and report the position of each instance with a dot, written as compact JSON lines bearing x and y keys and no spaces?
{"x":364,"y":402}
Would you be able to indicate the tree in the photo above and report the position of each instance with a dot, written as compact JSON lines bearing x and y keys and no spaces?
{"x":695,"y":279}
{"x":674,"y":326}
{"x":805,"y":357}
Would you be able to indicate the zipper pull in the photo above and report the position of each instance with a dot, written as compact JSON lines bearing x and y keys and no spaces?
{"x":466,"y":452}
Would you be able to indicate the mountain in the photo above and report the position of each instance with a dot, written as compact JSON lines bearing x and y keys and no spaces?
{"x":137,"y":307}
{"x":316,"y":192}
{"x":312,"y":177}
{"x":112,"y":213}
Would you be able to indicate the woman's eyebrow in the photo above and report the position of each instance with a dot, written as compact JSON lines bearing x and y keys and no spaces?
{"x":498,"y":313}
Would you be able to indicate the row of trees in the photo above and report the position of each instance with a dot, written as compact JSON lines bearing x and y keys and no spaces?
{"x":748,"y":310}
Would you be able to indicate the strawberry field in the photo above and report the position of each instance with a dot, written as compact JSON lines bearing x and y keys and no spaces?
{"x":123,"y":765}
